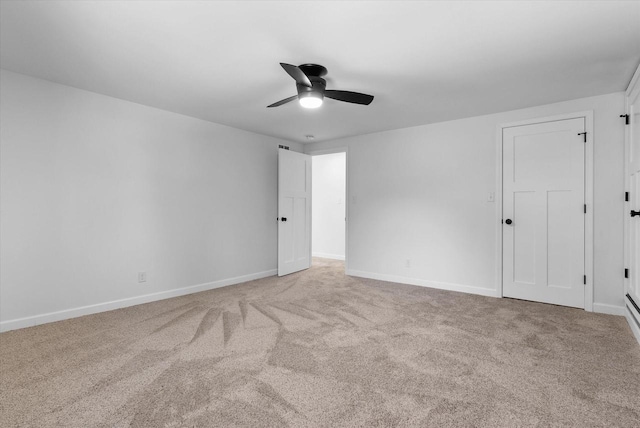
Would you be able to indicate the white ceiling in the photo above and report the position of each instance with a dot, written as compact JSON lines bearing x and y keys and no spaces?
{"x":425,"y":62}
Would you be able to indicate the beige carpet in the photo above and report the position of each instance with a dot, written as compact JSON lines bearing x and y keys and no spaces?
{"x":318,"y":348}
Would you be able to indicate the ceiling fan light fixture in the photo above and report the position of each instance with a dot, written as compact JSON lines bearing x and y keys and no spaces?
{"x":312,"y":88}
{"x":310,"y":99}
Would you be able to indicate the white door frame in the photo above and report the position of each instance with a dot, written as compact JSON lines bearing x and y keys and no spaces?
{"x":344,"y":150}
{"x":588,"y":197}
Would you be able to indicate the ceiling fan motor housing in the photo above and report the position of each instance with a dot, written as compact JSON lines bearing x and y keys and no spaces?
{"x":314,"y":72}
{"x":318,"y":85}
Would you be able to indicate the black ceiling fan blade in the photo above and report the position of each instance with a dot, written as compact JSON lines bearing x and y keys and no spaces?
{"x":297,"y":74}
{"x":348,"y":96}
{"x":286,"y":100}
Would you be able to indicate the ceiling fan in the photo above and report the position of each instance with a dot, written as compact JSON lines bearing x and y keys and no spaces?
{"x":312,"y":87}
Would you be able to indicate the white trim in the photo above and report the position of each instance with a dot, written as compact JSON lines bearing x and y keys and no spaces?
{"x":603,"y":308}
{"x":633,"y":323}
{"x":326,"y":151}
{"x":634,"y":312}
{"x":632,"y":84}
{"x":626,"y":224}
{"x":130,"y":301}
{"x":346,"y":211}
{"x":345,"y":150}
{"x":463,"y":288}
{"x":498,"y":199}
{"x":588,"y":221}
{"x":588,"y":197}
{"x":328,"y":256}
{"x":554,"y":118}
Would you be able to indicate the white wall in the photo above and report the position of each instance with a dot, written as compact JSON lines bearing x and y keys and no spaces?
{"x":329,"y":185}
{"x":95,"y":189}
{"x":420,"y":194}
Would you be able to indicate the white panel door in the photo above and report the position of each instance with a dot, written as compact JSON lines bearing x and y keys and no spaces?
{"x":633,"y":207}
{"x":294,"y":212}
{"x":543,"y":212}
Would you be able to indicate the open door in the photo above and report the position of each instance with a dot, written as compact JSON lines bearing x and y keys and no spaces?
{"x":294,"y":212}
{"x":632,"y":205}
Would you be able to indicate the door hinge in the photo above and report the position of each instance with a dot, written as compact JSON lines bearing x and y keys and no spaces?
{"x":626,"y":196}
{"x":584,"y":134}
{"x":626,"y":272}
{"x":585,"y":208}
{"x":626,"y":118}
{"x":585,"y":280}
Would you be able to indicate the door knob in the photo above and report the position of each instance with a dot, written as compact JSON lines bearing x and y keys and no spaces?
{"x":283,"y":218}
{"x":508,"y":221}
{"x":634,"y":213}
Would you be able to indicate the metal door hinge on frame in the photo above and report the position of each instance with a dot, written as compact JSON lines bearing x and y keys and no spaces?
{"x":584,"y":134}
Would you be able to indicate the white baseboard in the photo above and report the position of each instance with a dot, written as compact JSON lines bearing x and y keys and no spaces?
{"x":632,"y":318}
{"x":603,"y":308}
{"x":424,"y":283}
{"x":328,"y":256}
{"x":131,"y":301}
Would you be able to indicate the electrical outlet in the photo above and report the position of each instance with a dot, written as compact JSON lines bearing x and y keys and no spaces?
{"x":142,"y":277}
{"x":407,"y":263}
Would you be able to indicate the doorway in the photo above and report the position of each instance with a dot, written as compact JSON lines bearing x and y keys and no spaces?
{"x":329,"y":201}
{"x":545,"y":210}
